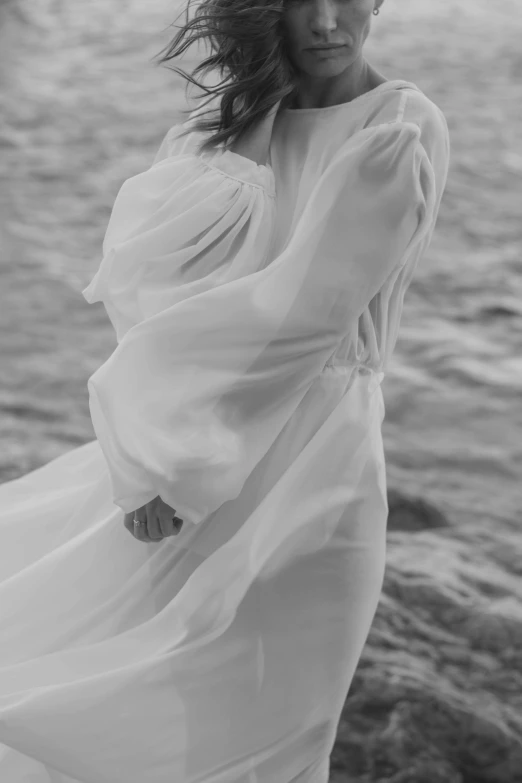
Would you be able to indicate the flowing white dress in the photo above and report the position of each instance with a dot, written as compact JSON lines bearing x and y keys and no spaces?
{"x":256,"y":309}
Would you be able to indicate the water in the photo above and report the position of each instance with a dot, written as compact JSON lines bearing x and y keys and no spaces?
{"x":84,"y":109}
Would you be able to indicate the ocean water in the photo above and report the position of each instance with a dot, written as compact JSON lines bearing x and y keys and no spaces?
{"x":84,"y":108}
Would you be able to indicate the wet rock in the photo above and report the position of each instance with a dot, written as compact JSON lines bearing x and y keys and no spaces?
{"x":412,"y":514}
{"x":437,"y":696}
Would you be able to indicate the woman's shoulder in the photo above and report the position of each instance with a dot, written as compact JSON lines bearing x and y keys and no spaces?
{"x":404,"y":101}
{"x":424,"y":111}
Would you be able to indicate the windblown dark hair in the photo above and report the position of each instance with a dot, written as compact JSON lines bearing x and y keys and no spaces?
{"x":247,"y":41}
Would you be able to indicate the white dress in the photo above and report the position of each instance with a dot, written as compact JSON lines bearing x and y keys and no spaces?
{"x":256,"y":309}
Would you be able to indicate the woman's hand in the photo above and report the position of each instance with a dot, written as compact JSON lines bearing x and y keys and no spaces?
{"x":159,"y":518}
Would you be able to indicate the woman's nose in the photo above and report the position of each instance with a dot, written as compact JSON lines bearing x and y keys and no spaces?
{"x":323,"y":15}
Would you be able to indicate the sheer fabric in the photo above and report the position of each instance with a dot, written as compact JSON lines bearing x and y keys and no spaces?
{"x":255,"y":309}
{"x":200,"y":387}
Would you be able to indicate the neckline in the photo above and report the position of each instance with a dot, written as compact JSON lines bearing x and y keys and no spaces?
{"x":388,"y":85}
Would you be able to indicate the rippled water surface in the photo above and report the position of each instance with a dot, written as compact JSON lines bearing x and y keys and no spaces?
{"x":85,"y":108}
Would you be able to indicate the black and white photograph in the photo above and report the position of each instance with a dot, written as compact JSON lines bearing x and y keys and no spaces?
{"x":260,"y":391}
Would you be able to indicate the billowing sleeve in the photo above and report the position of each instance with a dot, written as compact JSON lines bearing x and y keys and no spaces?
{"x":195,"y":394}
{"x":188,"y":223}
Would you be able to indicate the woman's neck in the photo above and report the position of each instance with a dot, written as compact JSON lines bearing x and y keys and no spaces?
{"x":367,"y":79}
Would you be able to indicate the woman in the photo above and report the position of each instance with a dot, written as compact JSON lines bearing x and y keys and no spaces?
{"x":255,"y":280}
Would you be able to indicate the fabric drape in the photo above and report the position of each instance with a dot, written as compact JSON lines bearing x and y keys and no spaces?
{"x":211,"y":370}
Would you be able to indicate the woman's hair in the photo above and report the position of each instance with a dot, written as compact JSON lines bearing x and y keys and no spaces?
{"x":247,"y":42}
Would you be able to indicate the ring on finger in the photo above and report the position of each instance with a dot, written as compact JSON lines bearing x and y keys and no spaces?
{"x":140,"y":526}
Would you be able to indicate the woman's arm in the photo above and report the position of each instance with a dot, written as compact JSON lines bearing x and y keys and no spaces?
{"x":195,"y":395}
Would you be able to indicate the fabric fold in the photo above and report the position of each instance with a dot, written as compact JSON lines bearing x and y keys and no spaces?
{"x":203,"y":383}
{"x":225,"y":653}
{"x":177,"y":230}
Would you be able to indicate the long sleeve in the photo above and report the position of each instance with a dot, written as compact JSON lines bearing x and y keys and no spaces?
{"x":196,"y":392}
{"x":188,"y":223}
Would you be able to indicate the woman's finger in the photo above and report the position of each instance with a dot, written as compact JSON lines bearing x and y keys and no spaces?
{"x":140,"y":532}
{"x":170,"y":524}
{"x":128,"y":523}
{"x":153,"y":525}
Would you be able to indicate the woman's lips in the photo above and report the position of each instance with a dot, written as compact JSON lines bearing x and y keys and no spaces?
{"x":332,"y":50}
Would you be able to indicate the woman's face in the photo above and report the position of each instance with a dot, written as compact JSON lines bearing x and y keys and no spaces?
{"x":313,"y":22}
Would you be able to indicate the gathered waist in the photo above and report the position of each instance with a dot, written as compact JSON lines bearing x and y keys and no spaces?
{"x":349,"y":369}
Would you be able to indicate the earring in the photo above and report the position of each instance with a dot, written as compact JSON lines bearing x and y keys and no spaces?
{"x":375,"y":11}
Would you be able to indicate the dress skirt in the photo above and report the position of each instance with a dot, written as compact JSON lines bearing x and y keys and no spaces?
{"x":221,"y":655}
